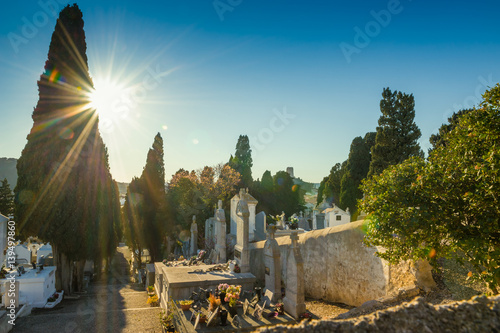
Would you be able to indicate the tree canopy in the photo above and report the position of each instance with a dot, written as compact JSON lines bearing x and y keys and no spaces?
{"x":397,"y":133}
{"x":446,"y":206}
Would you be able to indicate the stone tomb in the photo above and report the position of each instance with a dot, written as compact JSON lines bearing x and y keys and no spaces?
{"x":178,"y":283}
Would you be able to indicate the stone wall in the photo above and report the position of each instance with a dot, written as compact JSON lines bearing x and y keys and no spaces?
{"x":339,"y":268}
{"x":480,"y":314}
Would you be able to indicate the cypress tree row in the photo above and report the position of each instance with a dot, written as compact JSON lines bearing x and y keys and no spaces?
{"x":65,"y":194}
{"x":145,"y":208}
{"x":397,"y":133}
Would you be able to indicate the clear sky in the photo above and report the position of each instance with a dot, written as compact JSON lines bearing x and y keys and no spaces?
{"x":300,"y":78}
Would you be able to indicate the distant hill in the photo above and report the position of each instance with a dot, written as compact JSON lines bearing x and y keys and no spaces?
{"x":8,"y":170}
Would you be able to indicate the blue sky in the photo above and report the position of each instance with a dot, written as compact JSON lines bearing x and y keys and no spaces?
{"x":202,"y":74}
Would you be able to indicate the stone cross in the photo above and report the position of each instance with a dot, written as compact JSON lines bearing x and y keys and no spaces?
{"x":220,"y":232}
{"x":294,"y":300}
{"x":272,"y":264}
{"x":194,"y":237}
{"x":241,"y":250}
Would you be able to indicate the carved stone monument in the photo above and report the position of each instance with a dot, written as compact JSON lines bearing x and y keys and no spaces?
{"x":220,"y":229}
{"x":194,"y":237}
{"x":294,"y":300}
{"x":241,"y":249}
{"x":281,"y":222}
{"x":272,"y":263}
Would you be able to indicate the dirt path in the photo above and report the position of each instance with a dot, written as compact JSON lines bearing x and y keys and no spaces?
{"x":110,"y":305}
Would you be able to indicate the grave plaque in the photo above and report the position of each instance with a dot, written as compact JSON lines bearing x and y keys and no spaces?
{"x":245,"y":307}
{"x":236,"y":321}
{"x":212,"y":317}
{"x":257,"y":313}
{"x":237,"y":254}
{"x":268,"y":297}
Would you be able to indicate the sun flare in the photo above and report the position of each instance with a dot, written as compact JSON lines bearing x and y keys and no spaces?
{"x":105,"y":96}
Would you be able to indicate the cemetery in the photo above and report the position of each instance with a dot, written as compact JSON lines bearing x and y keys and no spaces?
{"x":392,"y":238}
{"x":329,"y":263}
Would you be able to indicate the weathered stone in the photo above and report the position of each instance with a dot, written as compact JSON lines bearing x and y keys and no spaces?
{"x":194,"y":237}
{"x":294,"y":301}
{"x":415,"y":316}
{"x":241,"y":249}
{"x":220,"y":246}
{"x":272,"y":263}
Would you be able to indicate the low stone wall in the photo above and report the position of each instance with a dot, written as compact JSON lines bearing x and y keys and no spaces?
{"x":340,"y":268}
{"x":480,"y":314}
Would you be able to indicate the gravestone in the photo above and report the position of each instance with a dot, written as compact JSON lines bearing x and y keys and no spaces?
{"x":210,"y":230}
{"x":220,"y":245}
{"x":234,"y":217}
{"x":252,"y":204}
{"x":260,"y":226}
{"x":294,"y":300}
{"x":272,"y":263}
{"x":269,"y":296}
{"x":241,"y":249}
{"x":303,"y":224}
{"x":194,"y":237}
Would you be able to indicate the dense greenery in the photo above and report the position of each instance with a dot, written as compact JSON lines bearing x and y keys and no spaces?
{"x":242,"y":161}
{"x":145,"y":208}
{"x":356,"y":170}
{"x":278,"y":193}
{"x":65,"y":194}
{"x":197,"y":193}
{"x":397,"y":133}
{"x":329,"y":188}
{"x":448,"y":205}
{"x":437,"y":140}
{"x":6,"y":199}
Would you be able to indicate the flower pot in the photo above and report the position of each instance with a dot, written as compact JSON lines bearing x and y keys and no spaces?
{"x":233,"y":311}
{"x":223,"y":317}
{"x":185,"y":307}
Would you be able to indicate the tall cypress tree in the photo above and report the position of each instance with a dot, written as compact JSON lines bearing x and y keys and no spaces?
{"x":145,"y":205}
{"x":64,"y":190}
{"x":153,"y":182}
{"x":242,"y":161}
{"x":357,"y":168}
{"x":6,"y":199}
{"x":397,"y":134}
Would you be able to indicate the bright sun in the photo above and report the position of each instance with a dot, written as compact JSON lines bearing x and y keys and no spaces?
{"x":105,"y":96}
